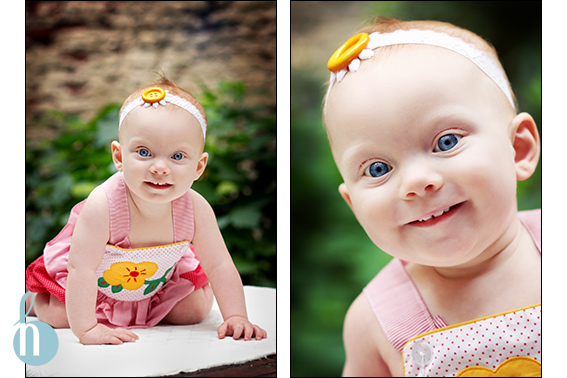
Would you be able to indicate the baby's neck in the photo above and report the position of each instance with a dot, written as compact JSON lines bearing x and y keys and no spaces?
{"x":150,"y":224}
{"x":146,"y":209}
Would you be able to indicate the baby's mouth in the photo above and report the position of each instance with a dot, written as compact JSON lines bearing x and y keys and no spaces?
{"x":437,"y":217}
{"x":158,"y":184}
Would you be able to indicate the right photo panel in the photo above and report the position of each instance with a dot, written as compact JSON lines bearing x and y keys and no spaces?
{"x":416,"y":188}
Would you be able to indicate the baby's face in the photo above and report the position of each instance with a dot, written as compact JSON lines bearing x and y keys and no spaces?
{"x":419,"y":133}
{"x":161,"y":153}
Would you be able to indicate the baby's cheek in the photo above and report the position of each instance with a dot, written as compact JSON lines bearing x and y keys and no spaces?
{"x":492,"y":179}
{"x":376,"y":217}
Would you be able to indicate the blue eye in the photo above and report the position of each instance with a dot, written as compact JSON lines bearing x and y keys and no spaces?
{"x":447,"y":142}
{"x":377,"y":169}
{"x":143,"y":152}
{"x":178,"y":156}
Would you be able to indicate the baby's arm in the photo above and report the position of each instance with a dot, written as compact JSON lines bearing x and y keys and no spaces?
{"x":223,"y":276}
{"x":87,"y":249}
{"x":363,"y":338}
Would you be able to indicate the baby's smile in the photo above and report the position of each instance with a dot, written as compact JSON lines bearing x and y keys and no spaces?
{"x":158,"y":184}
{"x":434,"y":217}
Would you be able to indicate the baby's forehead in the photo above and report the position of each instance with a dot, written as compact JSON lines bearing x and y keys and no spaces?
{"x":410,"y":71}
{"x":399,"y":66}
{"x":413,"y":61}
{"x":170,"y":122}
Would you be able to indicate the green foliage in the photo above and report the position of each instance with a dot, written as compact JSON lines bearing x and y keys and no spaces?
{"x":63,"y":169}
{"x":239,"y":182}
{"x":240,"y":179}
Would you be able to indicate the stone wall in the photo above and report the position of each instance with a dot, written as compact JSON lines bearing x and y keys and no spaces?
{"x":82,"y":55}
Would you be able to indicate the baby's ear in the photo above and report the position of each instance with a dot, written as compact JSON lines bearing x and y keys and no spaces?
{"x":116,"y":155}
{"x":526,"y":145}
{"x":201,"y":165}
{"x":343,"y":190}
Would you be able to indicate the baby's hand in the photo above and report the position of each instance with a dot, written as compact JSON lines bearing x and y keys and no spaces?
{"x":101,"y":334}
{"x":238,"y":326}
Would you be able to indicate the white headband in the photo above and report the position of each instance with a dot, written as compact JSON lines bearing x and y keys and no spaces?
{"x":425,"y":37}
{"x":155,"y":97}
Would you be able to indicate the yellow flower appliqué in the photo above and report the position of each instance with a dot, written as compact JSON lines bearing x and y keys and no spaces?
{"x":128,"y":274}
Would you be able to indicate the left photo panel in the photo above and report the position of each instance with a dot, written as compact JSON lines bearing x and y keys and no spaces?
{"x":150,"y":188}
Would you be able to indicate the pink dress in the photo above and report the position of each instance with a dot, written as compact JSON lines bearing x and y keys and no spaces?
{"x":137,"y":287}
{"x":430,"y":347}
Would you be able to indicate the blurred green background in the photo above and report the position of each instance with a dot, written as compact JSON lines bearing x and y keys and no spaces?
{"x":332,"y":259}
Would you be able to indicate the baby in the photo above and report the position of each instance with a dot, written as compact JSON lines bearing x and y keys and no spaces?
{"x":128,"y":256}
{"x":423,"y":128}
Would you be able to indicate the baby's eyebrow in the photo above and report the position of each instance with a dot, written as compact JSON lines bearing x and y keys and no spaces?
{"x":354,"y":156}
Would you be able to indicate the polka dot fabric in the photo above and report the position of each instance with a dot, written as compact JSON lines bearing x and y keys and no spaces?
{"x":164,"y":256}
{"x":486,"y":342}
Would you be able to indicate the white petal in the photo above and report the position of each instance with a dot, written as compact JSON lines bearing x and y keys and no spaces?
{"x":353,"y":66}
{"x":162,"y":102}
{"x":366,"y":54}
{"x":155,"y":105}
{"x":341,"y":74}
{"x":147,"y":104}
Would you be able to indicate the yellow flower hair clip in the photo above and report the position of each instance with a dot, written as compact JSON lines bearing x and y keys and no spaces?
{"x":350,"y":53}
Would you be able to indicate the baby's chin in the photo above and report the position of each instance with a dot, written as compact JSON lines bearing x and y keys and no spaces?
{"x":457,"y":256}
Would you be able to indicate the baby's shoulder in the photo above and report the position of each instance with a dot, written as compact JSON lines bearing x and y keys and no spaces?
{"x":200,"y":204}
{"x":206,"y":225}
{"x":93,"y":221}
{"x":96,"y":205}
{"x":367,"y":346}
{"x":360,"y":317}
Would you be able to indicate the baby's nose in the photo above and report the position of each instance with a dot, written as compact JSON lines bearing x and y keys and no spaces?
{"x":420,"y":180}
{"x":160,"y":168}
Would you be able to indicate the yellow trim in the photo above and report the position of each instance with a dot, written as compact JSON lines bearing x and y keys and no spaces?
{"x":459,"y":325}
{"x":157,"y":246}
{"x":467,"y":322}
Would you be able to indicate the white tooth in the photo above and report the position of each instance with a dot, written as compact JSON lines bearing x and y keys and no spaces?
{"x":439,"y":213}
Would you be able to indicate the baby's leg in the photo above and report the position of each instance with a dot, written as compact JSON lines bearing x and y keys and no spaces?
{"x":193,"y":308}
{"x":30,"y":312}
{"x":49,"y":310}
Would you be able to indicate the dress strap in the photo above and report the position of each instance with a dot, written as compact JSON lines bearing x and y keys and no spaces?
{"x":118,"y":207}
{"x":398,"y":305}
{"x":531,"y":219}
{"x":183,"y":220}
